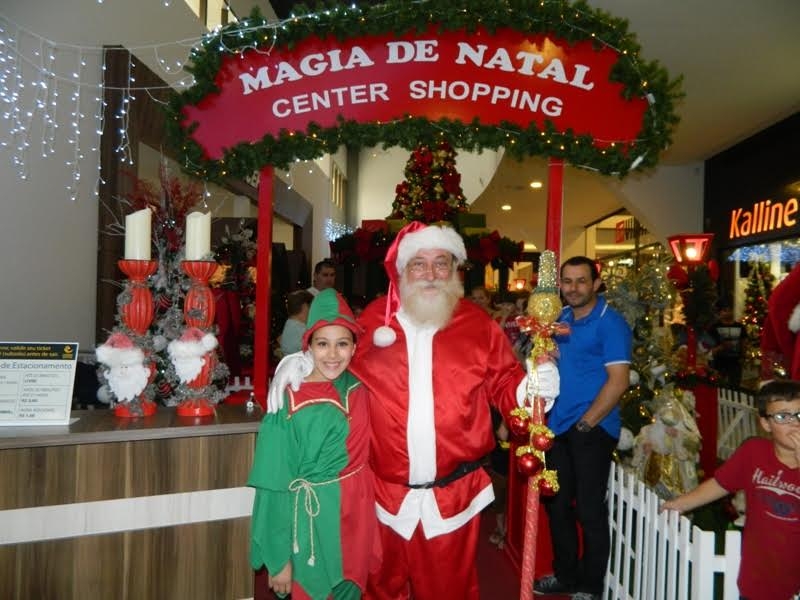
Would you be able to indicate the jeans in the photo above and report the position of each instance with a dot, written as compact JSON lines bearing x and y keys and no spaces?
{"x":583,"y":462}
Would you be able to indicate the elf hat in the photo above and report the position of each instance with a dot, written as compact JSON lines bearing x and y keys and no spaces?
{"x":329,"y":308}
{"x":411,"y":239}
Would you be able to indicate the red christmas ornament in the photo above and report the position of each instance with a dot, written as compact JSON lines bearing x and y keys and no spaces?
{"x":518,"y":425}
{"x":529,"y":464}
{"x":542,"y":441}
{"x":678,"y":276}
{"x":164,"y":389}
{"x":546,"y":488}
{"x":163,"y":301}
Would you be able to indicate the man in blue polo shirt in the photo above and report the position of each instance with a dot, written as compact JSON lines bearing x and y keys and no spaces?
{"x":594,"y":363}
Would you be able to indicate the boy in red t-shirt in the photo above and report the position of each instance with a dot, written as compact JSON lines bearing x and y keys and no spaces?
{"x":769,"y":473}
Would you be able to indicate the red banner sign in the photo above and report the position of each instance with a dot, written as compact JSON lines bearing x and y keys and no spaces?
{"x":505,"y":76}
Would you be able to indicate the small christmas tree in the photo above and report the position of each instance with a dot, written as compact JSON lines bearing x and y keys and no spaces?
{"x":431,"y":191}
{"x":642,"y":296}
{"x":759,"y":287}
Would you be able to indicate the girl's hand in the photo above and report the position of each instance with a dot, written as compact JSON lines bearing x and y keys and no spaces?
{"x":281,"y":582}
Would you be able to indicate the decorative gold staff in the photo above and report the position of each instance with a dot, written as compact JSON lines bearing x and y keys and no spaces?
{"x":544,"y":306}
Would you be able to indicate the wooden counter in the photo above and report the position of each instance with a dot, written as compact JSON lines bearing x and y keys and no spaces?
{"x":128,"y":508}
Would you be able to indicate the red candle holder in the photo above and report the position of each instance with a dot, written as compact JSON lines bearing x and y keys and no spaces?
{"x":138,"y":313}
{"x":199,"y":306}
{"x":123,"y":409}
{"x":202,"y":406}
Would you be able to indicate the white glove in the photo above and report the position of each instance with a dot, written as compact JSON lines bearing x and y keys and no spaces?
{"x":543,"y":381}
{"x":292,"y":370}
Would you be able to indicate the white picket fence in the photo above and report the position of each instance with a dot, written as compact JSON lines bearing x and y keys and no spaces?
{"x":239,"y":384}
{"x":663,"y":556}
{"x":737,"y":419}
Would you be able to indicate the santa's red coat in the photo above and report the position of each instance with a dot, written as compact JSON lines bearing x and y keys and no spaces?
{"x":473,"y":367}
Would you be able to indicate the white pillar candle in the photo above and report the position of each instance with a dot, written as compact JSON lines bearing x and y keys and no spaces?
{"x":137,"y":235}
{"x":198,"y":235}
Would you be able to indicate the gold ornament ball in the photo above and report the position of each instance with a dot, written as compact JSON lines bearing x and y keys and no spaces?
{"x":544,"y":307}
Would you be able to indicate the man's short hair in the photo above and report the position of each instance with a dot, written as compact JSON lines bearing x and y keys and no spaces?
{"x":296,"y":300}
{"x":577,"y":261}
{"x":324,"y":264}
{"x":776,"y":391}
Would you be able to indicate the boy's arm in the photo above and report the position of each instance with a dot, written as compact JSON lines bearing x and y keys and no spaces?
{"x":706,"y":492}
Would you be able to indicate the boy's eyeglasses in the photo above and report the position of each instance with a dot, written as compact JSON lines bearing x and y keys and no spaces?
{"x":784,"y":417}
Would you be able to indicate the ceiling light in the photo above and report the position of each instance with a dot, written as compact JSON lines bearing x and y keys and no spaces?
{"x":536,"y":185}
{"x":505,"y":207}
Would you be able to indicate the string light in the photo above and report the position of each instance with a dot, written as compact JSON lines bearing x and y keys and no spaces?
{"x":334,"y":230}
{"x":30,"y":85}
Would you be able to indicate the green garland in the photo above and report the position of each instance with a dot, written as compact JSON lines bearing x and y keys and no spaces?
{"x":570,"y":21}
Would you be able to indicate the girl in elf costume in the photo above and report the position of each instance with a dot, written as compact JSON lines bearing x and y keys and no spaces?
{"x":314,"y":525}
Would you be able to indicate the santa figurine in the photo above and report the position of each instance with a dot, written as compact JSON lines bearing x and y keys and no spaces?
{"x":191,"y":352}
{"x":780,"y":344}
{"x":127,"y":375}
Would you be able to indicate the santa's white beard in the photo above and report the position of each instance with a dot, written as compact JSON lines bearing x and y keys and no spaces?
{"x":188,"y":356}
{"x":426,"y":308}
{"x":188,"y":367}
{"x":127,"y":381}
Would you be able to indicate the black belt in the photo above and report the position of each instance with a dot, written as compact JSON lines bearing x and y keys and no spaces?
{"x":461,"y":470}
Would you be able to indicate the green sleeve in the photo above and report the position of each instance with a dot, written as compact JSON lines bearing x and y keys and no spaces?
{"x":274,"y":467}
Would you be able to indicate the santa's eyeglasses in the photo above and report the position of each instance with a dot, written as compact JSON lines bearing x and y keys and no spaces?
{"x":784,"y":417}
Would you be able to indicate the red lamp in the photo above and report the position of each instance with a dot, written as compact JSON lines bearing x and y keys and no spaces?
{"x":690,"y":249}
{"x":519,"y":284}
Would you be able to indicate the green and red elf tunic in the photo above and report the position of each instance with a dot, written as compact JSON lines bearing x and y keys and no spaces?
{"x":315,"y":503}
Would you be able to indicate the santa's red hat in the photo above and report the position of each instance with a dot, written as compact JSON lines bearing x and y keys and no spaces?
{"x":119,"y":350}
{"x":780,"y":342}
{"x":411,"y":239}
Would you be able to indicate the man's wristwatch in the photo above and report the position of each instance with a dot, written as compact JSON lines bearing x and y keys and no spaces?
{"x":583,"y":426}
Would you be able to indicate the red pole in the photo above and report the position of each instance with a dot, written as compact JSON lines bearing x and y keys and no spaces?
{"x":263,"y":286}
{"x":555,"y":206}
{"x":531,"y":536}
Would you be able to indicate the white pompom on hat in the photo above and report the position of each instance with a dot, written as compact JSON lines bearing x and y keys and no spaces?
{"x":119,"y":350}
{"x":411,"y":239}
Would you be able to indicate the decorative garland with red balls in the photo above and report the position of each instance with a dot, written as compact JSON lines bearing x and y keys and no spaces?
{"x":370,"y":245}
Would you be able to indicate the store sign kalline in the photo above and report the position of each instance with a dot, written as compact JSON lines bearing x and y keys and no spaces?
{"x":505,"y":76}
{"x":763,"y":217}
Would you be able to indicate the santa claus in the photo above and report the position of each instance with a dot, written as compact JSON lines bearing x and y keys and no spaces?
{"x":189,"y":353}
{"x":780,"y":344}
{"x":127,"y":374}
